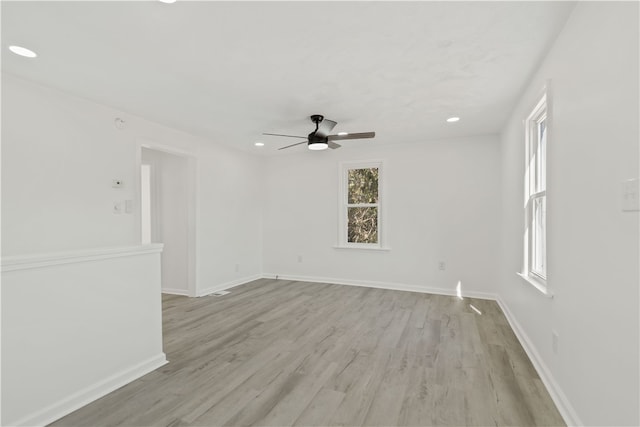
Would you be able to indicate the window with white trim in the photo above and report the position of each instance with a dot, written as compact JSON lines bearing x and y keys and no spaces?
{"x":360,"y":205}
{"x":536,"y":193}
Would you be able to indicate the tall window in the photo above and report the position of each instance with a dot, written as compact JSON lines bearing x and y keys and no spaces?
{"x":360,"y":205}
{"x":536,"y":193}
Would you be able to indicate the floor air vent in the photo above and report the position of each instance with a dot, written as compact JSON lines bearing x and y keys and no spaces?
{"x":219,"y":293}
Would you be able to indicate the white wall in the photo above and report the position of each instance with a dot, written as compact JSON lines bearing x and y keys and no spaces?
{"x":230,"y":218}
{"x":170,"y":212}
{"x":593,"y":249}
{"x":443,"y":200}
{"x":60,"y":154}
{"x":76,"y":326}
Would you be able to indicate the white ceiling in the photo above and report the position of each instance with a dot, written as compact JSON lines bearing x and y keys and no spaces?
{"x":232,"y":70}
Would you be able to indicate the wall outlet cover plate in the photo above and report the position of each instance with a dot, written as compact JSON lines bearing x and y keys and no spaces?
{"x":631,"y":195}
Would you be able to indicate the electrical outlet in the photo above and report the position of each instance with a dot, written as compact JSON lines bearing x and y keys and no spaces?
{"x":442,"y":266}
{"x":631,"y":195}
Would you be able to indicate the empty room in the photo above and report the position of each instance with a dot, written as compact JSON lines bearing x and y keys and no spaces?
{"x":320,"y":213}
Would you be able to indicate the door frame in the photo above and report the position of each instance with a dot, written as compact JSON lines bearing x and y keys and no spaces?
{"x":192,"y":171}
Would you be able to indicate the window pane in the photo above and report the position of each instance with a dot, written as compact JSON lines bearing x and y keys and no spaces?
{"x":362,"y":225}
{"x":539,"y":244}
{"x":363,"y":186}
{"x":542,"y":155}
{"x":532,"y":175}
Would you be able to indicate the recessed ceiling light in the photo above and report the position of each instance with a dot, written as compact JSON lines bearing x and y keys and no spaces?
{"x":453,"y":119}
{"x":259,"y":144}
{"x":22,"y":51}
{"x":167,"y":1}
{"x":343,"y":133}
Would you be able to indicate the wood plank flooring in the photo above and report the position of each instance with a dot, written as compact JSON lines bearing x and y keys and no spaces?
{"x":280,"y":353}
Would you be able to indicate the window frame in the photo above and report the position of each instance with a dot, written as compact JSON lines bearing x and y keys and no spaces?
{"x":536,"y":159}
{"x":344,"y":205}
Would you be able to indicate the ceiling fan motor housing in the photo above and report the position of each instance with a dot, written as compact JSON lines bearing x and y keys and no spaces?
{"x":317,"y":139}
{"x":317,"y":142}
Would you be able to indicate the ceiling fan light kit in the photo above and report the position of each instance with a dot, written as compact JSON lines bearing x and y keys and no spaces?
{"x":319,"y":138}
{"x":316,"y":146}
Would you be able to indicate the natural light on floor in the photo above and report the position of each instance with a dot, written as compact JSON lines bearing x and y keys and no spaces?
{"x":459,"y":289}
{"x":475,"y":309}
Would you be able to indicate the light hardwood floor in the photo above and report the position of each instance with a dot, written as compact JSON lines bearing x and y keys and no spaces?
{"x":280,"y":353}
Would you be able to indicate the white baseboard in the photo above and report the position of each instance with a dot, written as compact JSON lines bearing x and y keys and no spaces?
{"x":384,"y":285}
{"x":228,"y":285}
{"x":173,"y":291}
{"x":559,"y":398}
{"x":91,"y":393}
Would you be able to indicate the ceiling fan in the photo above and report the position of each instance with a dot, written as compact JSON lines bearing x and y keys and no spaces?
{"x":319,"y":138}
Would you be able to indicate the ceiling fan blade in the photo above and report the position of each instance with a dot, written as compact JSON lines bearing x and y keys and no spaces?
{"x":288,"y":136}
{"x":333,"y":145}
{"x":361,"y":135}
{"x":293,"y":145}
{"x":325,"y":126}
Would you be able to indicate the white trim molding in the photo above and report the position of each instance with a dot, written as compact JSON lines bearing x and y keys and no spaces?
{"x":192,"y":204}
{"x":383,"y":285}
{"x":89,"y":394}
{"x":544,"y":290}
{"x":29,"y":262}
{"x":364,"y":248}
{"x":172,"y":291}
{"x":555,"y":391}
{"x":343,"y":206}
{"x":228,"y":285}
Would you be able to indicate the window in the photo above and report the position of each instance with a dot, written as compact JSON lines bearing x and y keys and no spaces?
{"x":360,"y":208}
{"x":536,"y":194}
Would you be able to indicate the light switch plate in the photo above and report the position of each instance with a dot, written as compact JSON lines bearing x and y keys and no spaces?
{"x":631,"y":195}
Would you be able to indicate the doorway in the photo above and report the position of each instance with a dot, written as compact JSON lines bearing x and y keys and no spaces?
{"x":167,"y":215}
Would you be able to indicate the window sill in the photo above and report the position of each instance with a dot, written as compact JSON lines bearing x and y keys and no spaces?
{"x":541,"y":287}
{"x":364,"y":248}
